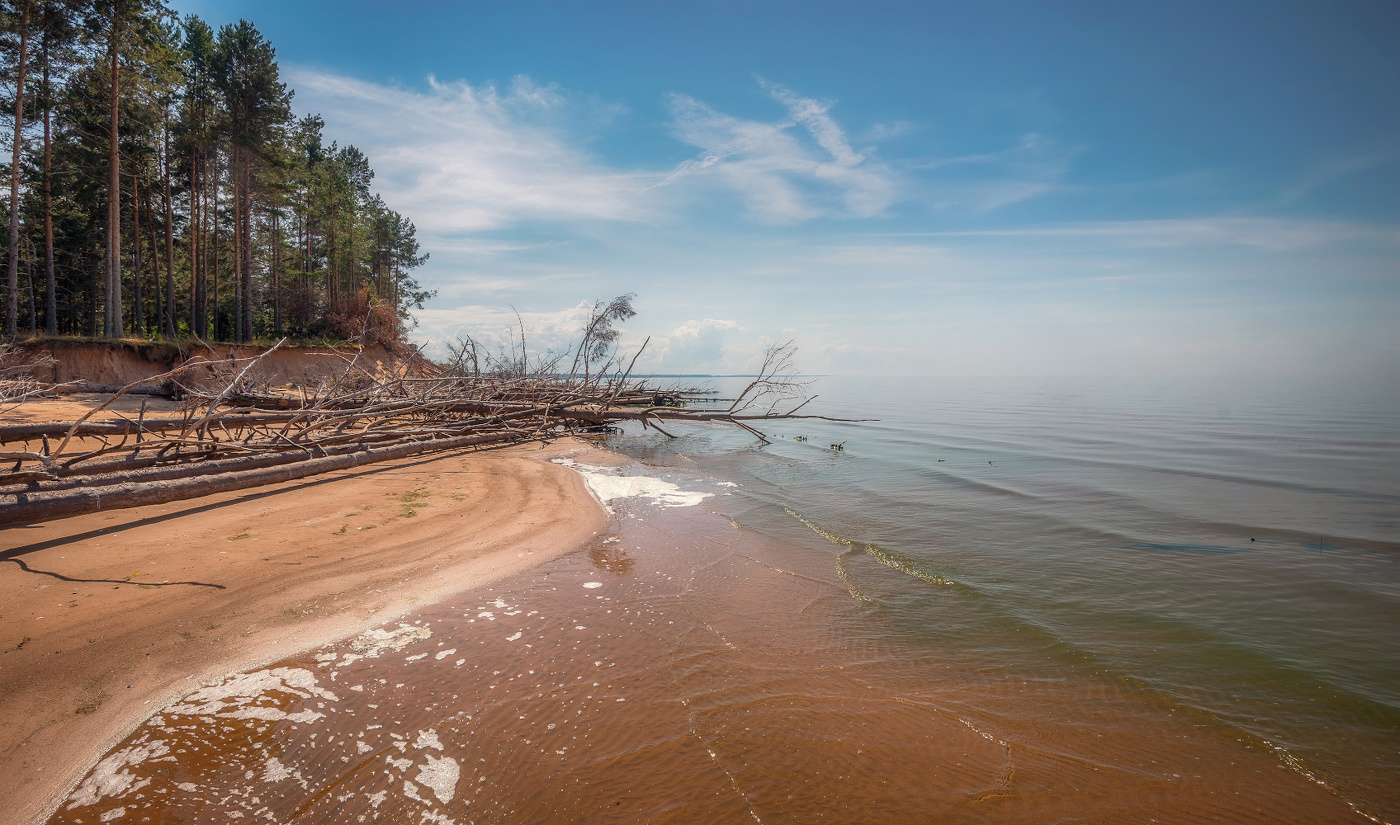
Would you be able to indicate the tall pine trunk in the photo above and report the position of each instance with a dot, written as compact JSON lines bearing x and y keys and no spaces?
{"x":12,"y":307}
{"x":138,"y":310}
{"x":169,"y":239}
{"x":115,"y":327}
{"x":247,"y":274}
{"x":157,"y":293}
{"x":50,"y":286}
{"x":214,"y":225}
{"x":199,"y":310}
{"x":276,"y":276}
{"x":237,"y":246}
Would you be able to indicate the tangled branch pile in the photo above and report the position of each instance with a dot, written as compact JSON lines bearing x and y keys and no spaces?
{"x":17,"y":381}
{"x":232,"y":434}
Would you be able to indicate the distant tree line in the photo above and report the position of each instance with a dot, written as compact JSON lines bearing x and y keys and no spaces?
{"x":161,"y":187}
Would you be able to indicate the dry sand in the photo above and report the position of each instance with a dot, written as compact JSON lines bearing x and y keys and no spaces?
{"x":75,"y":406}
{"x":106,"y":617}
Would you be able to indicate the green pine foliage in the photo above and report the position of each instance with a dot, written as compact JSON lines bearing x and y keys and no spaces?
{"x":237,"y":221}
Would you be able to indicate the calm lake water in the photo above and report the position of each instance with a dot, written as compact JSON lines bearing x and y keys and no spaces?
{"x":1232,"y":549}
{"x":1028,"y":601}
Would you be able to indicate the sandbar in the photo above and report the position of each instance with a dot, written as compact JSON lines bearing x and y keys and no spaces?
{"x":107,"y":617}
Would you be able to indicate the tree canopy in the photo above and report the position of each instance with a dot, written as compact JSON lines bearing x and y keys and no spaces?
{"x":161,"y":186}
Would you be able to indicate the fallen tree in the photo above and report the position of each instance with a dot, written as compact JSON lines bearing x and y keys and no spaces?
{"x":233,"y":435}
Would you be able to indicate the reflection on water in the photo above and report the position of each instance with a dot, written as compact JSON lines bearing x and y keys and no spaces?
{"x":1094,"y":608}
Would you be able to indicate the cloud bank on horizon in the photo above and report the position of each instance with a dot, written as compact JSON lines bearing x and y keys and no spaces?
{"x":1035,"y":206}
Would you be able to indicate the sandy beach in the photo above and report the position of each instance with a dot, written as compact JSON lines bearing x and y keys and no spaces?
{"x":109,"y":616}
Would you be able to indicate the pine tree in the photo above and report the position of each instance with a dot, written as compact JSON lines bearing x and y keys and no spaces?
{"x":21,"y":21}
{"x":177,"y":146}
{"x":258,"y":104}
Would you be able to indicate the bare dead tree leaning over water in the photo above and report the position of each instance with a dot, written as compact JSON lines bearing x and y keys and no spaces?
{"x":232,"y":433}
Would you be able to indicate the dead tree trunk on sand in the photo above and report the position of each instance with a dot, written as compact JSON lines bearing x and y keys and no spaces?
{"x":234,"y":434}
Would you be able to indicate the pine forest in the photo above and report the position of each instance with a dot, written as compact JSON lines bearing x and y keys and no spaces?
{"x":160,"y":187}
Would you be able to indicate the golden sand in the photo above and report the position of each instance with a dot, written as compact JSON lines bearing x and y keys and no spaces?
{"x":107,"y":617}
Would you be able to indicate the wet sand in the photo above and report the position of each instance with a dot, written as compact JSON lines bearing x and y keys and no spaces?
{"x":105,"y":618}
{"x":682,"y":668}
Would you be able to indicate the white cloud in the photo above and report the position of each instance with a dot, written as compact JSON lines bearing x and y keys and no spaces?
{"x":499,"y":329}
{"x":988,"y":181}
{"x":781,"y":177}
{"x":1266,"y":234}
{"x":460,"y":158}
{"x":693,"y":346}
{"x":887,"y":131}
{"x":709,"y":345}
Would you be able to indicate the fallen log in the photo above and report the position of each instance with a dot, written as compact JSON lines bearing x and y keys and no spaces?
{"x":238,"y":438}
{"x":110,"y":389}
{"x":28,"y":508}
{"x":179,"y":466}
{"x":11,"y":433}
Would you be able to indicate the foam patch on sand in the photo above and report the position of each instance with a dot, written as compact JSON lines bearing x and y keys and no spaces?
{"x":427,"y":739}
{"x":608,"y":485}
{"x":111,"y":777}
{"x":376,"y":642}
{"x":252,"y":782}
{"x":234,"y":698}
{"x":440,"y":775}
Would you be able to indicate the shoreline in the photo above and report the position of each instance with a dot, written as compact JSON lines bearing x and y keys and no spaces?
{"x":154,"y":602}
{"x":684,"y":643}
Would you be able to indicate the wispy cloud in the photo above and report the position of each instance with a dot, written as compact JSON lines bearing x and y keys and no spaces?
{"x":465,"y":158}
{"x":984,"y":182}
{"x":1333,"y":171}
{"x":1267,"y":234}
{"x":459,"y":157}
{"x":703,"y":345}
{"x":783,"y":175}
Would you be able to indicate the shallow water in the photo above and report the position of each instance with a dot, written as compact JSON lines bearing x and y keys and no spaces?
{"x":1105,"y":603}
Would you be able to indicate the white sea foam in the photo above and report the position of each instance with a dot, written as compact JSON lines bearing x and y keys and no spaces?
{"x":441,"y":776}
{"x":234,"y":697}
{"x":375,"y":642}
{"x":427,"y":739}
{"x":608,"y":485}
{"x":110,"y":777}
{"x":274,"y":770}
{"x":410,"y":790}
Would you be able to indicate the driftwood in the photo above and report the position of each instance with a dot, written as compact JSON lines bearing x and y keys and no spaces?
{"x":41,"y":506}
{"x":103,"y":389}
{"x":233,"y":436}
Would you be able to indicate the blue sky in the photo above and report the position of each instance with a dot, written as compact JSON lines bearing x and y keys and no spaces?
{"x":1071,"y":188}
